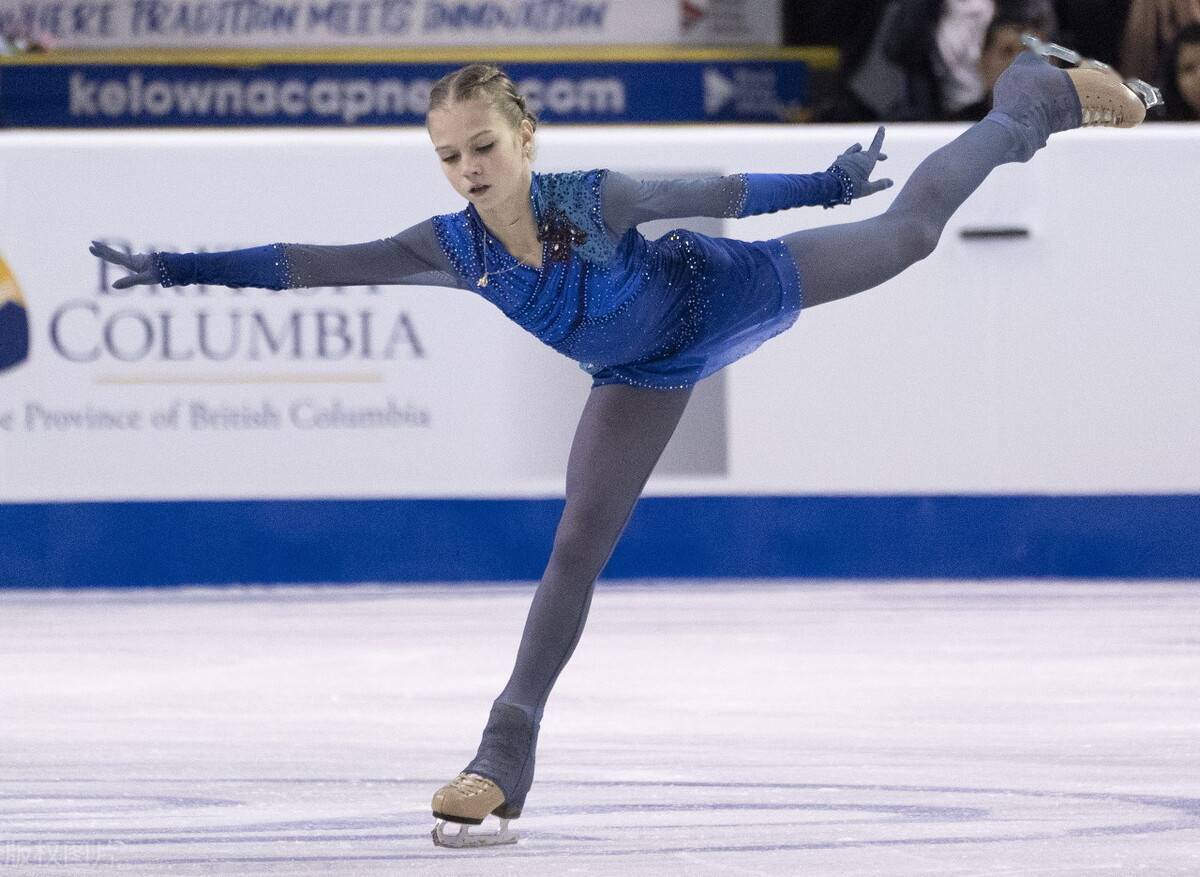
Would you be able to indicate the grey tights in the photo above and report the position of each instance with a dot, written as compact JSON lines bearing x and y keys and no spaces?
{"x":620,"y":436}
{"x":840,"y":260}
{"x":624,"y":429}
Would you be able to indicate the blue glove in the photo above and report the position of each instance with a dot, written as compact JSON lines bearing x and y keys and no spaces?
{"x":853,"y":167}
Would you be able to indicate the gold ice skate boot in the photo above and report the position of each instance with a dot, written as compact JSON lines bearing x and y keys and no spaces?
{"x":1105,"y":98}
{"x":467,"y":800}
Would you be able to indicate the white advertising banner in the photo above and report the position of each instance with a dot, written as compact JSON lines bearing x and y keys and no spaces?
{"x":103,"y":24}
{"x":218,"y":392}
{"x":996,"y":365}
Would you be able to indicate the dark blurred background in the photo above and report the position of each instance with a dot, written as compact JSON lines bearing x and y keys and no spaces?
{"x":935,"y":60}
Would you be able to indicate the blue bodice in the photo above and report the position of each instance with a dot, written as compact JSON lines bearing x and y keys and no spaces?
{"x":662,"y":313}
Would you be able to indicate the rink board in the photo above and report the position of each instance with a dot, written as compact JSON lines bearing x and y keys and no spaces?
{"x":1018,"y":404}
{"x":916,"y":537}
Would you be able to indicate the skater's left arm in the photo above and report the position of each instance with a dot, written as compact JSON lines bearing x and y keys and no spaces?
{"x":626,"y":202}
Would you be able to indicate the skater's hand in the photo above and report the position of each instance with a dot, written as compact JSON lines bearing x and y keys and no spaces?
{"x":142,"y":264}
{"x":858,"y":165}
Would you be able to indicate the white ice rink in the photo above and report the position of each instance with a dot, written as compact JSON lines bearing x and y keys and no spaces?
{"x":701,"y":729}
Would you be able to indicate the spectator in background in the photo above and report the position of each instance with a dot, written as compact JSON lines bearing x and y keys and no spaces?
{"x":939,"y":44}
{"x":1131,"y":35}
{"x":1001,"y":45}
{"x":1094,"y":27}
{"x":1150,"y":30}
{"x":868,"y":84}
{"x":1181,"y":76}
{"x":922,"y":61}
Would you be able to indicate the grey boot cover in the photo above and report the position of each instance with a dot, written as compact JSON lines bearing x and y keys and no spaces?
{"x":506,"y":755}
{"x":1033,"y":99}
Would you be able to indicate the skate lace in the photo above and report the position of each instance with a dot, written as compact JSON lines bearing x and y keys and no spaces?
{"x":1106,"y":116}
{"x":470,"y":784}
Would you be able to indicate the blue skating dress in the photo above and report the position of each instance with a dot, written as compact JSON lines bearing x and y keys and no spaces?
{"x":661,"y":314}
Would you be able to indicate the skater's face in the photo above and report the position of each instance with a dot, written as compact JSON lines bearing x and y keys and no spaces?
{"x":485,"y":158}
{"x":1187,"y":75}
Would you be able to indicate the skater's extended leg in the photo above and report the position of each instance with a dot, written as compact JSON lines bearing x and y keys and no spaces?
{"x":621,"y":434}
{"x":1031,"y":101}
{"x":836,"y":261}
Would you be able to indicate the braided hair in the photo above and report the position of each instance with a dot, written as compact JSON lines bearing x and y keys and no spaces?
{"x":482,"y":80}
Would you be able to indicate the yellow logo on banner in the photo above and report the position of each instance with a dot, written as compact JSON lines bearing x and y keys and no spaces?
{"x":14,"y":321}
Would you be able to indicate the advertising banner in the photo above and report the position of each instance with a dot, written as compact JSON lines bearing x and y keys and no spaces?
{"x":343,"y":94}
{"x":218,"y":392}
{"x":109,"y":24}
{"x":975,"y":416}
{"x":223,"y":393}
{"x":214,"y":393}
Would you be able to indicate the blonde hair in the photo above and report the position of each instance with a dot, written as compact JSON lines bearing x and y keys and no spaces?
{"x":482,"y":80}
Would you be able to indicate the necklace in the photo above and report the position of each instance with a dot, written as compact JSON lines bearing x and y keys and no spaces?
{"x":485,"y":237}
{"x":483,"y":279}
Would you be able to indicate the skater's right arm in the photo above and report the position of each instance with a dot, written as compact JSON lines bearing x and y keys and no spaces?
{"x":412,"y":257}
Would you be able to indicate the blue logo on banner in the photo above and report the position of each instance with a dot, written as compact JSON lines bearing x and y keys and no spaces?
{"x":392,"y":94}
{"x":14,"y":322}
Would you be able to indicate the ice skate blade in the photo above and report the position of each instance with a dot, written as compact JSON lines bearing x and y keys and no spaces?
{"x":1149,"y":95}
{"x":1070,"y":56}
{"x":1051,"y":50}
{"x":463,"y":839}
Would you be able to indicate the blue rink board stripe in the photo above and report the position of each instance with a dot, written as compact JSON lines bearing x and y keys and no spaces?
{"x":269,"y":541}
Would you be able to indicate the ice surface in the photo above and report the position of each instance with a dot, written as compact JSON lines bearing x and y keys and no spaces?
{"x":1031,"y":728}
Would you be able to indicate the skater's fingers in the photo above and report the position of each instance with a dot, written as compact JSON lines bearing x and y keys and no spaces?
{"x":882,"y":156}
{"x":104,"y":252}
{"x":135,"y":280}
{"x":107,"y":253}
{"x":877,"y":143}
{"x":877,"y":186}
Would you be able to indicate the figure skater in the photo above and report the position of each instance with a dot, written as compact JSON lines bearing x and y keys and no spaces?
{"x":560,"y":254}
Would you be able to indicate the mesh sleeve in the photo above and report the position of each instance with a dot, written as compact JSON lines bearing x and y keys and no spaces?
{"x":626,"y":202}
{"x":412,"y":257}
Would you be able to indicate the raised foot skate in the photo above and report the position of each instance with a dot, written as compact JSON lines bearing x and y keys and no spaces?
{"x":467,"y":800}
{"x":1104,"y":97}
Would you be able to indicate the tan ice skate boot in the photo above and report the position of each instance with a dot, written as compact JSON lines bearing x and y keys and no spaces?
{"x":1105,"y":98}
{"x":467,"y":800}
{"x":1033,"y":99}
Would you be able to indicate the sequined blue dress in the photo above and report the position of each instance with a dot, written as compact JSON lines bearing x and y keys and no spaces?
{"x":659,"y":313}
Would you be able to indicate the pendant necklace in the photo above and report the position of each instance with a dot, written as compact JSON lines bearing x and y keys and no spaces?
{"x":485,"y":277}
